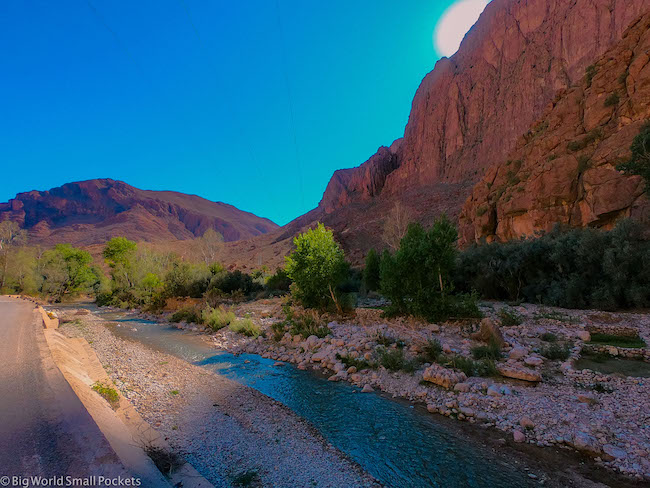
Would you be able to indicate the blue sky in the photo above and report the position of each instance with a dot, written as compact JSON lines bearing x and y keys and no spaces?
{"x":241,"y":102}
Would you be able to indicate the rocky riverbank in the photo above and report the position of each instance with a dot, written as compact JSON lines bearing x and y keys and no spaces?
{"x":231,"y":433}
{"x":537,"y":396}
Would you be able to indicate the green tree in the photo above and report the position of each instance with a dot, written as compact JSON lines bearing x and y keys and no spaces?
{"x":639,"y":162}
{"x":371,"y":273}
{"x":119,"y":253}
{"x":417,"y":278}
{"x":11,"y":235}
{"x":317,"y":267}
{"x":66,"y":271}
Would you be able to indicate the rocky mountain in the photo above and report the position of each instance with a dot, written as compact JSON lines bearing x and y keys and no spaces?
{"x":470,"y":111}
{"x":563,"y":169}
{"x":93,"y":211}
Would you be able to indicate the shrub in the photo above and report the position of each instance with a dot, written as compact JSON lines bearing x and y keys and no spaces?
{"x":431,"y":351}
{"x":617,"y":340}
{"x":234,"y":281}
{"x":612,"y":100}
{"x":306,"y":324}
{"x":371,"y":278}
{"x":590,"y":72}
{"x":187,"y":314}
{"x":548,"y":337}
{"x":639,"y":162}
{"x":356,"y":362}
{"x":246,"y":327}
{"x":395,"y":360}
{"x":510,"y":317}
{"x":217,"y":318}
{"x":484,"y":367}
{"x":317,"y":267}
{"x":556,"y":352}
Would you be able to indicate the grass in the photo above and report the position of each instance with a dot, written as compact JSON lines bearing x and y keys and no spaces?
{"x":484,"y":367}
{"x":107,"y":393}
{"x":510,"y":317}
{"x":491,"y":351}
{"x":395,"y":360}
{"x":635,"y":342}
{"x":384,"y":340}
{"x":556,"y":352}
{"x":217,"y":318}
{"x":246,"y":327}
{"x":356,"y":362}
{"x":174,"y":392}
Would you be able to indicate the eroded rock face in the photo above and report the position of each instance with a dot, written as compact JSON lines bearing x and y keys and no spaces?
{"x":563,"y":169}
{"x":470,"y":110}
{"x":93,"y":211}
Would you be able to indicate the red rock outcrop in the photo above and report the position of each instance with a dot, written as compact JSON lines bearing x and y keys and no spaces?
{"x":93,"y":211}
{"x":563,"y":169}
{"x":470,"y":110}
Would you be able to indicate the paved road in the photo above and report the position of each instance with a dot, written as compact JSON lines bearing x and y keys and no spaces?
{"x":44,"y":428}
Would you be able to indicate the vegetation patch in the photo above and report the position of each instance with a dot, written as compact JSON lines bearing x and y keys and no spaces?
{"x":246,"y":478}
{"x":510,"y":317}
{"x":395,"y":360}
{"x":217,"y":318}
{"x":556,"y":352}
{"x":617,"y":340}
{"x":187,"y":314}
{"x":483,"y":367}
{"x":246,"y":327}
{"x":358,"y":363}
{"x":491,"y":351}
{"x":612,"y":100}
{"x":548,"y":337}
{"x":107,"y":393}
{"x":167,"y":461}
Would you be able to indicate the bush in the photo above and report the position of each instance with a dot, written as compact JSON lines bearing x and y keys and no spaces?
{"x":395,"y":360}
{"x":358,"y":363}
{"x":187,"y":314}
{"x":317,"y":267}
{"x":217,"y":318}
{"x":417,"y":278}
{"x":371,"y":277}
{"x":639,"y":163}
{"x":510,"y":317}
{"x":431,"y":351}
{"x":235,"y":281}
{"x":580,"y":268}
{"x":548,"y":337}
{"x":556,"y":352}
{"x":246,"y":327}
{"x":279,"y":282}
{"x":612,"y":100}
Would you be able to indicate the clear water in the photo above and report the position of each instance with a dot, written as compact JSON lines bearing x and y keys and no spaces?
{"x":398,"y":444}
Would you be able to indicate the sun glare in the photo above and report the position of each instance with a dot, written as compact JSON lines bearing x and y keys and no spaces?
{"x":454,"y":24}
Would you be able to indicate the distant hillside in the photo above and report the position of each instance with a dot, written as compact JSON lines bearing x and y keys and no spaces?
{"x":93,"y":211}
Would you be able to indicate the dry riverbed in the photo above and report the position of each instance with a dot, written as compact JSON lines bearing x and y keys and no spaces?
{"x":230,"y":433}
{"x":605,"y":416}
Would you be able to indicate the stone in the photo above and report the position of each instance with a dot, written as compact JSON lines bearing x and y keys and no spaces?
{"x":441,"y":376}
{"x":319,"y":356}
{"x":583,"y":335}
{"x":467,"y":412}
{"x":588,"y":399}
{"x":586,"y":443}
{"x":533,"y":361}
{"x":518,"y":352}
{"x":526,"y":423}
{"x":494,"y":391}
{"x":519,"y":373}
{"x":334,"y":377}
{"x":518,"y":436}
{"x":612,"y":452}
{"x":446,"y":348}
{"x":352,"y":369}
{"x":489,"y":331}
{"x":462,"y":387}
{"x":367,"y":389}
{"x":278,"y":363}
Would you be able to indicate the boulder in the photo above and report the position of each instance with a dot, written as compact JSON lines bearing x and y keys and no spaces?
{"x":583,"y":335}
{"x":462,"y":387}
{"x":518,"y":436}
{"x":519,"y":373}
{"x":586,"y":443}
{"x":444,"y":377}
{"x":526,"y":423}
{"x":612,"y":452}
{"x":533,"y":361}
{"x":488,"y":332}
{"x":367,"y":389}
{"x":518,"y":352}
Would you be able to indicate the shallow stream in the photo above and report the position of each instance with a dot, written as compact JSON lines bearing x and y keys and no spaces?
{"x":397,"y":443}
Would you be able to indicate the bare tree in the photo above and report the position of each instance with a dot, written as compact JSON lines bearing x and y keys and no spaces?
{"x":210,"y":245}
{"x":396,"y":224}
{"x":10,"y":235}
